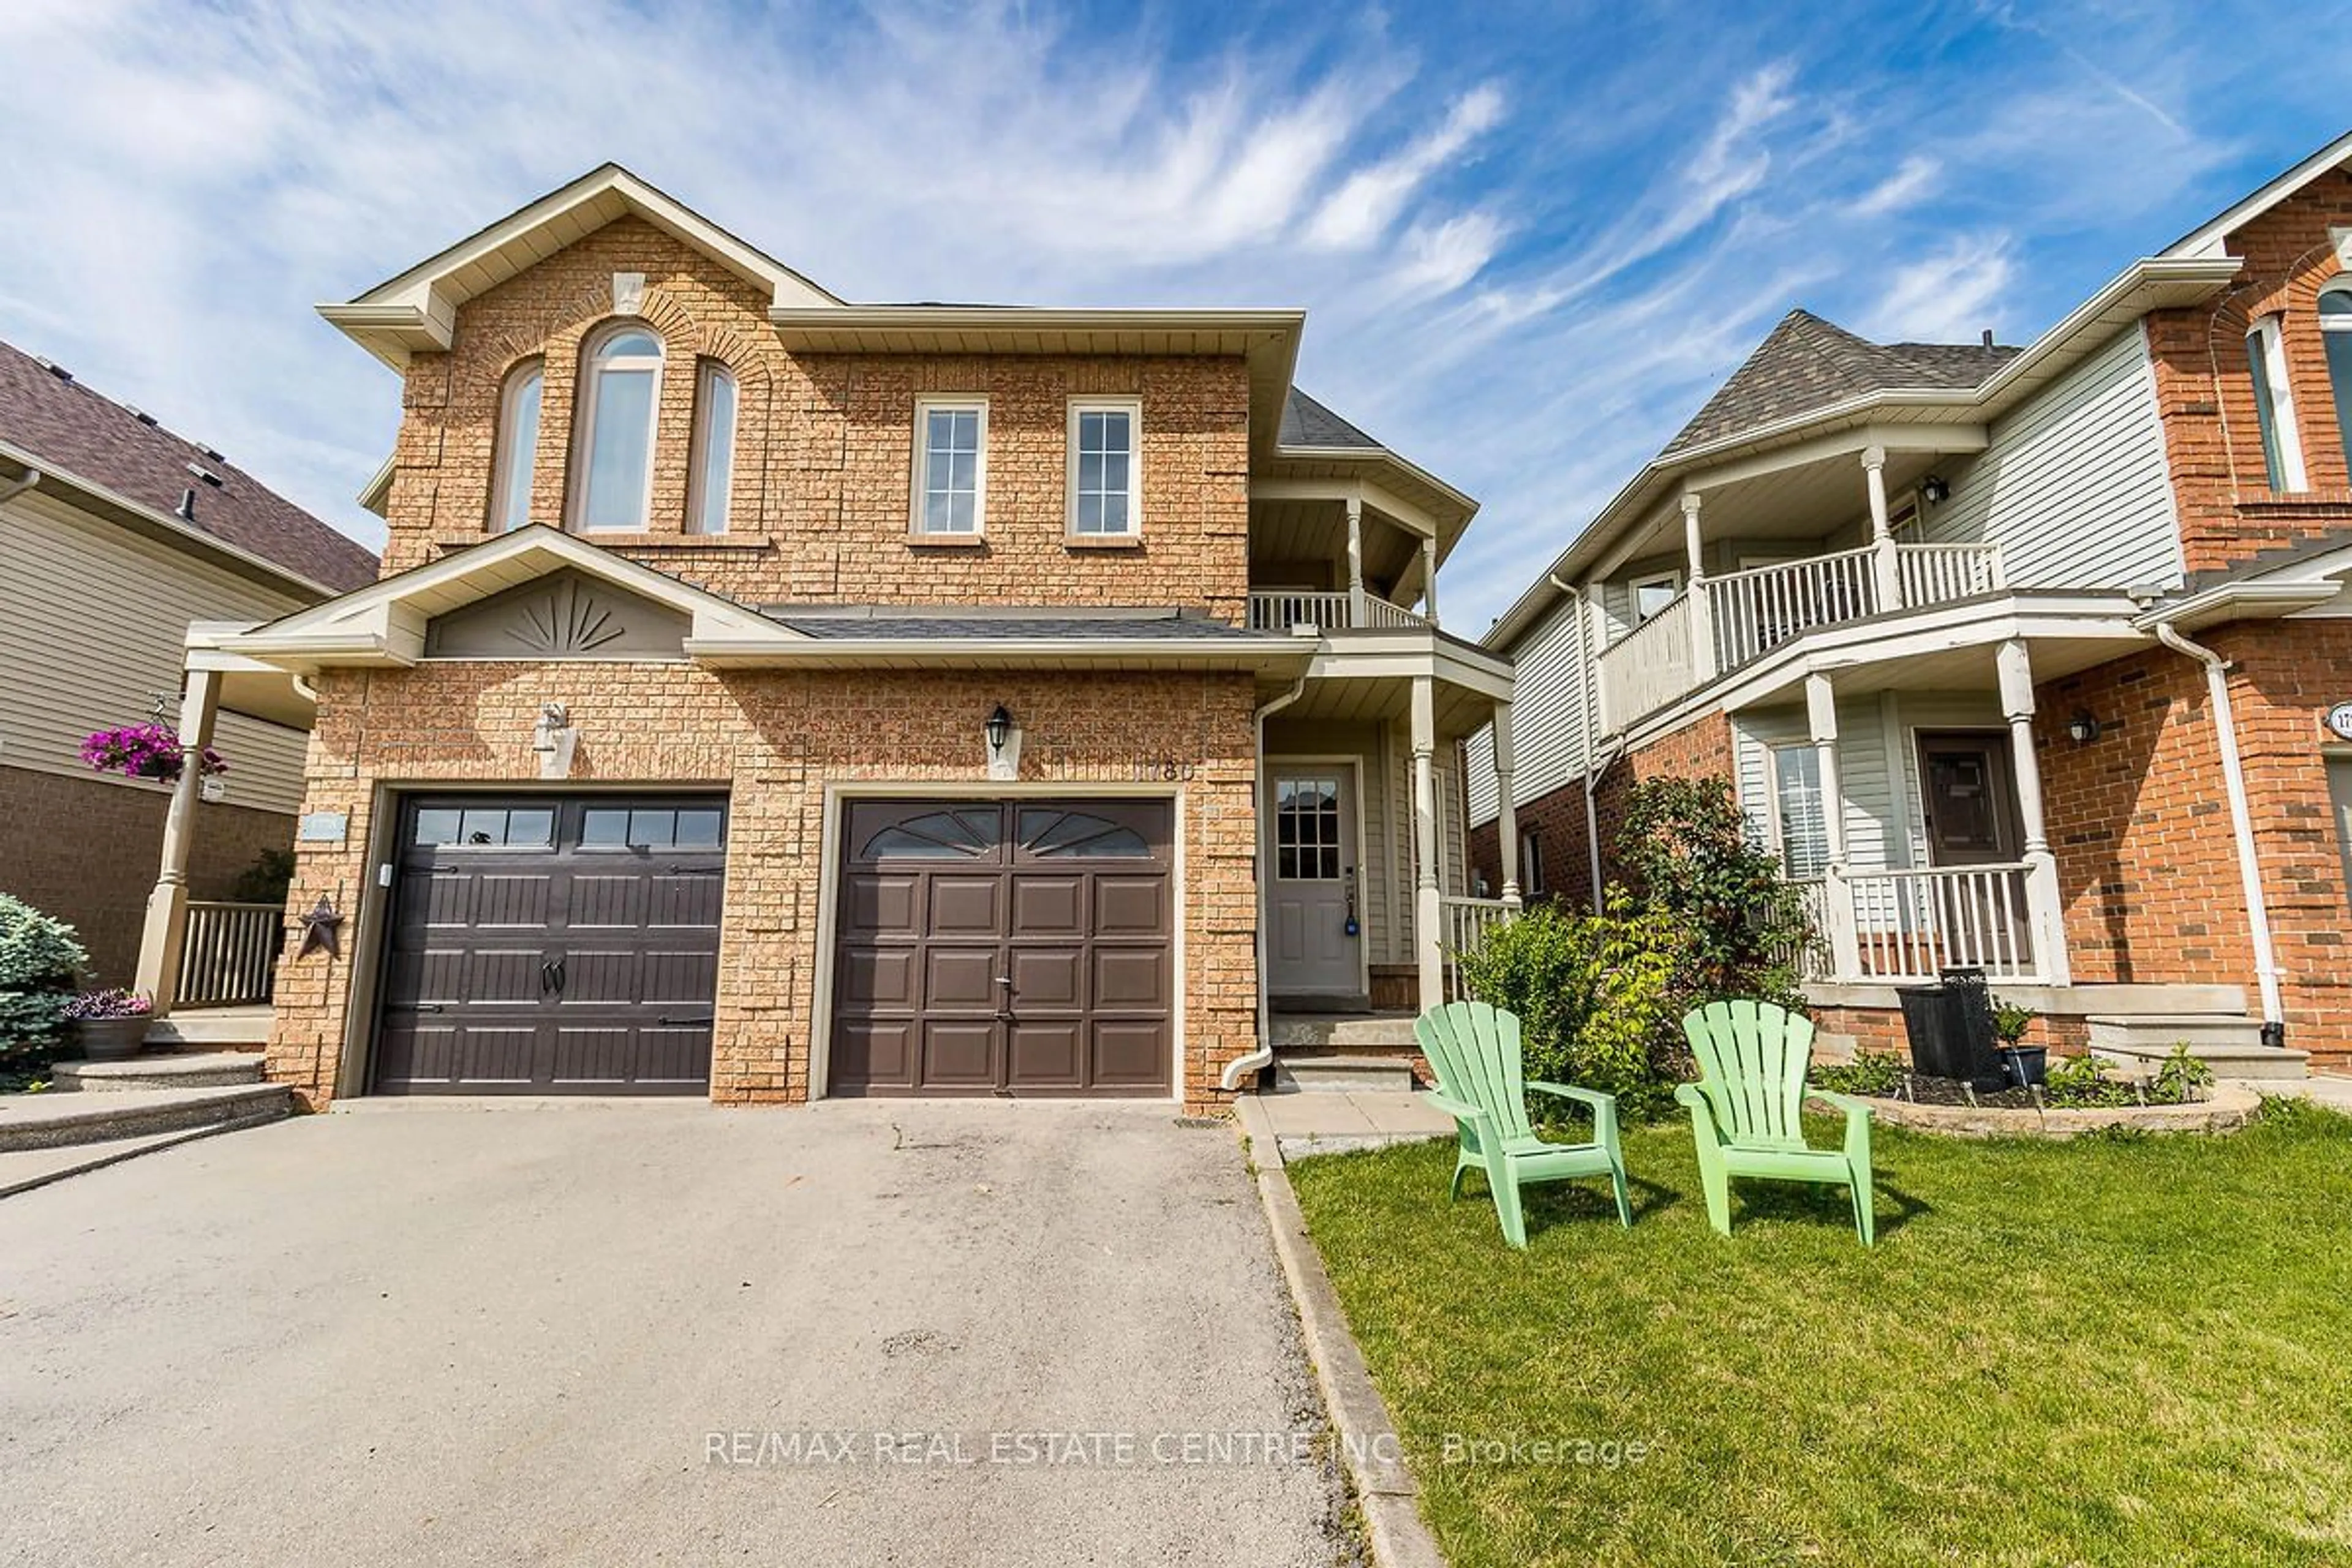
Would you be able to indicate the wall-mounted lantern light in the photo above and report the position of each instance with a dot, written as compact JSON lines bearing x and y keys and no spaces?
{"x":1003,"y":738}
{"x":999,"y":729}
{"x":554,"y":738}
{"x":2082,"y":729}
{"x":1935,"y":489}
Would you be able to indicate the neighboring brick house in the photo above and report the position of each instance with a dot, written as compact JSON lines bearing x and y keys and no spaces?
{"x":2022,"y":618}
{"x":116,"y":533}
{"x":771,"y":697}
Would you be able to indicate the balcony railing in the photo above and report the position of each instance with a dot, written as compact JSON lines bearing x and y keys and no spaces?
{"x":230,"y":956}
{"x":1751,"y":613}
{"x":1467,"y":921}
{"x":1650,"y":666}
{"x":1912,"y":924}
{"x":1282,"y":609}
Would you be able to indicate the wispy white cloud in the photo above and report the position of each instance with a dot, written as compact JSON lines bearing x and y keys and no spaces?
{"x":1367,"y":202}
{"x":1912,"y":180}
{"x":1949,"y":295}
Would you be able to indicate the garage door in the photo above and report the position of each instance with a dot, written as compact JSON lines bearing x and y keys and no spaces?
{"x":1004,"y":947}
{"x":552,"y":944}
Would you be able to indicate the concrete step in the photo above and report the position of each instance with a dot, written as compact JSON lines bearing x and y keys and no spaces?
{"x":53,"y":1121}
{"x":206,"y":1069}
{"x":1342,"y":1074}
{"x":215,"y":1028}
{"x":1364,"y":1032}
{"x":2231,"y":1044}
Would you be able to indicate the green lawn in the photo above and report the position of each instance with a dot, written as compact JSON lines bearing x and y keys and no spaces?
{"x":2117,"y":1351}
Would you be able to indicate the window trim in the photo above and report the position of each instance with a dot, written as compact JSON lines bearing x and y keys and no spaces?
{"x":2282,"y":465}
{"x":700,"y":491}
{"x":1531,"y":865}
{"x":1778,"y":817}
{"x":586,"y":399}
{"x":2334,"y":325}
{"x":504,"y":449}
{"x":1671,"y":577}
{"x":919,"y":490}
{"x":1133,"y":408}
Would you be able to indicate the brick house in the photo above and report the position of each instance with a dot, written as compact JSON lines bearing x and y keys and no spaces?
{"x":2020,"y":658}
{"x":115,"y":533}
{"x":771,"y":697}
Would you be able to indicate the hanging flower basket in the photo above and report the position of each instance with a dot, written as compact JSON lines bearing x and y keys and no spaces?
{"x":145,"y":751}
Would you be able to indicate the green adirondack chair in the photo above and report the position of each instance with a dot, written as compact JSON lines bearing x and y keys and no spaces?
{"x":1752,"y":1057}
{"x":1474,"y":1051}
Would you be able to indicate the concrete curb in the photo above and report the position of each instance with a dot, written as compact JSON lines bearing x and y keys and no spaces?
{"x":1369,"y":1446}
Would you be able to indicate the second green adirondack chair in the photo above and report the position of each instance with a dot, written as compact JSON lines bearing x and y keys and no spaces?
{"x":1473,"y":1049}
{"x":1752,"y":1057}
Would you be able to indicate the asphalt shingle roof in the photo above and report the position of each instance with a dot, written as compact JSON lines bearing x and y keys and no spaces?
{"x":61,"y":422}
{"x":1806,"y":363}
{"x":1307,"y":423}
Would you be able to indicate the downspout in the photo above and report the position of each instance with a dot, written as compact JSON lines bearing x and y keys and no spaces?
{"x":1592,"y":770}
{"x":1241,"y":1066}
{"x":20,"y":484}
{"x":2242,"y":827}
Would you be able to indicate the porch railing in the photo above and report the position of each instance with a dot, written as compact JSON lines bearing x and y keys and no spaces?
{"x":1758,"y":610}
{"x":230,"y":956}
{"x":1936,"y":573}
{"x":1912,"y":924}
{"x":1281,"y":609}
{"x":1650,"y":666}
{"x":1467,"y":921}
{"x":1814,"y":959}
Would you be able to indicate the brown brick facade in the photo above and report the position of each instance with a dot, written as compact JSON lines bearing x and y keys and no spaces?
{"x":86,"y":851}
{"x":2205,"y":389}
{"x":776,"y":740}
{"x":823,"y":460}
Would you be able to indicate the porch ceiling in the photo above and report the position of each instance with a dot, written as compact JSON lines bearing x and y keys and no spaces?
{"x":1966,"y":667}
{"x":1459,"y":711}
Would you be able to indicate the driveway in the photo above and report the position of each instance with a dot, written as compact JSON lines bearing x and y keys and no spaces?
{"x":659,"y":1333}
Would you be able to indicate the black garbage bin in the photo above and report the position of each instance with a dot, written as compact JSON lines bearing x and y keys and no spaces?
{"x":1950,"y":1024}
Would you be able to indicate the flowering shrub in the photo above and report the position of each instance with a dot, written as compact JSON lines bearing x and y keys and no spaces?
{"x":111,"y":1003}
{"x":144,"y":752}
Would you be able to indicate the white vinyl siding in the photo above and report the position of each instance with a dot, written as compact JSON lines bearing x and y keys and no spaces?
{"x":1547,"y":715}
{"x":1880,"y":790}
{"x":2073,"y":486}
{"x":93,"y":622}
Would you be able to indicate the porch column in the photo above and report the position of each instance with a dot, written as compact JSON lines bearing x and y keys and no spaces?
{"x":1506,"y":810}
{"x":1428,"y":909}
{"x":1429,"y":579}
{"x":1702,"y":610}
{"x":1355,"y":560}
{"x":166,"y":930}
{"x":1821,"y":724}
{"x":1596,"y":640}
{"x":1883,"y":568}
{"x":2044,"y":906}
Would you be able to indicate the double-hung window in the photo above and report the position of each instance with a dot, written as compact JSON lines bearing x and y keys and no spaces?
{"x":1105,"y":499}
{"x":2275,"y":406}
{"x":1799,"y":812}
{"x":950,"y":466}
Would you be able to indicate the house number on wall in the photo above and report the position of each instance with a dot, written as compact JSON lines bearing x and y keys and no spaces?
{"x":1165,"y":771}
{"x":2339,"y":720}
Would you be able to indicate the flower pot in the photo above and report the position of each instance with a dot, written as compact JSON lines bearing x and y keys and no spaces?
{"x":110,"y":1039}
{"x":2025,"y":1064}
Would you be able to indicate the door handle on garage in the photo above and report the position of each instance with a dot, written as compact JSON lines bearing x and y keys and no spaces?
{"x":668,"y":1021}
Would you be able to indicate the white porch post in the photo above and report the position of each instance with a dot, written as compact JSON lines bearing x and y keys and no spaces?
{"x":1506,"y":810}
{"x":1596,"y":639}
{"x":1428,"y":910}
{"x":1355,"y":560}
{"x":1883,"y":564}
{"x":166,"y":930}
{"x":1429,"y":579}
{"x":1821,"y":724}
{"x":2042,"y":903}
{"x":1702,"y":616}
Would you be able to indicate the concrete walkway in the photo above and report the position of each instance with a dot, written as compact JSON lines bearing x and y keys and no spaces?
{"x":1332,"y":1122}
{"x":662,"y":1333}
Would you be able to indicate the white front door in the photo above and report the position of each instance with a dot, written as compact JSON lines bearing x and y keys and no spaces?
{"x":1314,"y":945}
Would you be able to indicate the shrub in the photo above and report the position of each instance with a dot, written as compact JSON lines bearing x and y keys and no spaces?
{"x":2182,"y":1076}
{"x":1870,"y":1072}
{"x":2082,"y":1083}
{"x":39,"y":962}
{"x":2009,"y":1022}
{"x":1690,"y":861}
{"x":266,"y":880}
{"x":1594,"y":997}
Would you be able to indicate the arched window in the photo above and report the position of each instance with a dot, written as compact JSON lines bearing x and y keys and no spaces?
{"x":619,"y":397}
{"x":2336,"y":331}
{"x":714,"y":448}
{"x":518,"y":449}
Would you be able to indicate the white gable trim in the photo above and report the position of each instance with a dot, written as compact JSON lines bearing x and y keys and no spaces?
{"x":418,"y":311}
{"x":384,"y":624}
{"x":2208,"y":240}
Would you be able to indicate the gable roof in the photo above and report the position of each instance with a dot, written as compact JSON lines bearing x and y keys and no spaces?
{"x":54,"y":423}
{"x":418,"y":311}
{"x":1806,"y":364}
{"x":2208,"y":238}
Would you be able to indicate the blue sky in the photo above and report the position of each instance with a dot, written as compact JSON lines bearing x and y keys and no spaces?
{"x":1531,"y":238}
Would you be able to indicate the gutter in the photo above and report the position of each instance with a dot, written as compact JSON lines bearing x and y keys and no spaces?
{"x":1263,"y":1057}
{"x":20,"y":484}
{"x":2242,"y":827}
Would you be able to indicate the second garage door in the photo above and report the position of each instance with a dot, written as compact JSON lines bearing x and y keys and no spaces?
{"x":1004,"y":947}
